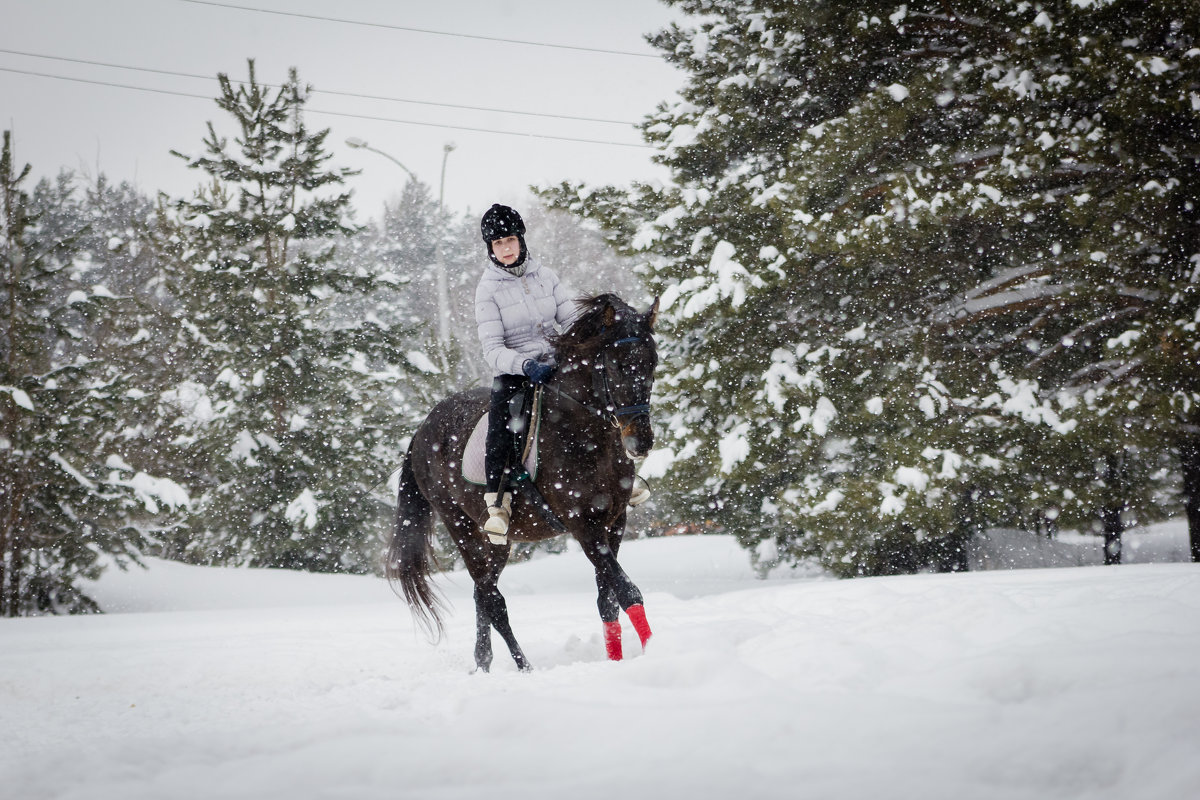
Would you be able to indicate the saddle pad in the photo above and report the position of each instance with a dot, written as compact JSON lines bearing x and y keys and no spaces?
{"x":473,"y":470}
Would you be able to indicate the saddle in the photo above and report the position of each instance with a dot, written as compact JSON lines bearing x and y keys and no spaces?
{"x":473,"y":456}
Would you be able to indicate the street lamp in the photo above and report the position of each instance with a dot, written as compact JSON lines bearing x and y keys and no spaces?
{"x":447,"y":149}
{"x":443,"y":292}
{"x":359,"y":144}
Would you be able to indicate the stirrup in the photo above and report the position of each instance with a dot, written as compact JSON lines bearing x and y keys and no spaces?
{"x":640,"y":493}
{"x":499,"y":516}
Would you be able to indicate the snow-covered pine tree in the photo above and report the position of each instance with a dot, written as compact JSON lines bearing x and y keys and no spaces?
{"x":407,"y":243}
{"x":291,"y":412}
{"x":900,"y":220}
{"x":118,"y":244}
{"x":774,"y":348}
{"x":1058,"y":214}
{"x":69,"y":497}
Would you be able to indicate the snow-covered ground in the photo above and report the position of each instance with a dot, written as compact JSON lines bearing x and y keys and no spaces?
{"x":1071,"y":683}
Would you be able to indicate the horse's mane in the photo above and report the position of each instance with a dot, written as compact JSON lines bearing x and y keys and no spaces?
{"x":601,"y":319}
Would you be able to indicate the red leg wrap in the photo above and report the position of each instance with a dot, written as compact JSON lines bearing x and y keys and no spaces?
{"x":612,"y":640}
{"x":637,"y":615}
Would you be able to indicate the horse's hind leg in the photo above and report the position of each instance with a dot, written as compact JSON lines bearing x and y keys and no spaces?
{"x":483,"y":637}
{"x":485,"y":562}
{"x":490,"y":606}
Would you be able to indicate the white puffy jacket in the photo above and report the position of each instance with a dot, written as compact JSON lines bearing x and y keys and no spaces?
{"x":516,"y":315}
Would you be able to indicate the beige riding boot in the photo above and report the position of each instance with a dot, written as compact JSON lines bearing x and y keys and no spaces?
{"x":498,"y":517}
{"x":640,"y":493}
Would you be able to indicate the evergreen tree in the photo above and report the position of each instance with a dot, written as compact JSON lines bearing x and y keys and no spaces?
{"x":911,"y":255}
{"x":410,"y":234}
{"x":401,"y":250}
{"x":1030,"y":208}
{"x":69,"y":497}
{"x":291,"y":411}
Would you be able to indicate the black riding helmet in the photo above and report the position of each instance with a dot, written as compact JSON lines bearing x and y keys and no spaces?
{"x":500,"y":222}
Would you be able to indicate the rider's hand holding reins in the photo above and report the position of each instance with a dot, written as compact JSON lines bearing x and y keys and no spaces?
{"x":536,"y":371}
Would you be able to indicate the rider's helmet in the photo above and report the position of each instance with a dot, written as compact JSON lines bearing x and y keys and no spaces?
{"x":500,"y":222}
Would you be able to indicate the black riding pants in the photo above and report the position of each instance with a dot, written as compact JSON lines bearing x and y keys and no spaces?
{"x":504,"y":428}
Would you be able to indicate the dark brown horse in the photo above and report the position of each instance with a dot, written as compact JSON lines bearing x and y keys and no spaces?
{"x":595,"y":422}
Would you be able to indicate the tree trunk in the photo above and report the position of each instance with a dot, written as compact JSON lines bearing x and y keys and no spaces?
{"x":1110,"y":513}
{"x":1113,"y":528}
{"x":1189,"y":457}
{"x":10,"y":601}
{"x":967,"y":526}
{"x":9,"y":574}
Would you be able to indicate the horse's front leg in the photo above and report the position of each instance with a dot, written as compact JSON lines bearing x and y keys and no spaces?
{"x":610,"y":611}
{"x":615,"y":590}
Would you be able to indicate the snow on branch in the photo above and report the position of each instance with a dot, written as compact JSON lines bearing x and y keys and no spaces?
{"x":1065,"y":342}
{"x":79,"y":477}
{"x":964,"y":311}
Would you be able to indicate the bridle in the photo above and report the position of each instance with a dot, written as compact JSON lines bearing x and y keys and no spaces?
{"x":615,"y":411}
{"x":602,"y":386}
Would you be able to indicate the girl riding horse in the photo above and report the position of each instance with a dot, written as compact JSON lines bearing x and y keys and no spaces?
{"x":595,"y":421}
{"x":518,"y":304}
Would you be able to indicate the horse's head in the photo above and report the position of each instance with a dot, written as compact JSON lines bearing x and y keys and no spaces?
{"x":616,"y":343}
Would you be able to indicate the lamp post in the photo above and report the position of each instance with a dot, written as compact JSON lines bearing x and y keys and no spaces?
{"x":443,"y":292}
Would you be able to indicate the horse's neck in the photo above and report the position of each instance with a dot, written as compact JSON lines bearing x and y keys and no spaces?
{"x":582,"y":429}
{"x":577,"y":381}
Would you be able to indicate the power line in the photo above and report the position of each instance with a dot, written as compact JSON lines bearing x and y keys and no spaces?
{"x":104,"y":83}
{"x":500,"y":39}
{"x":336,"y":113}
{"x":477,"y":130}
{"x":357,"y":95}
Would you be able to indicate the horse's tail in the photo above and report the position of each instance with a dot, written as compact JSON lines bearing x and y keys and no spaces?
{"x":409,"y":558}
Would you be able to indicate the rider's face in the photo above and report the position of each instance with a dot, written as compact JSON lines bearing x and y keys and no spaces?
{"x":507,"y":250}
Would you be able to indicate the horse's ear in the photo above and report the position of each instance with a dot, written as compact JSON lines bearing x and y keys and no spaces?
{"x":652,"y":314}
{"x":610,"y":315}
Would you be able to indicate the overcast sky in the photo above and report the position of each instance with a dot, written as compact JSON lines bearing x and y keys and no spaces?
{"x":127,"y":134}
